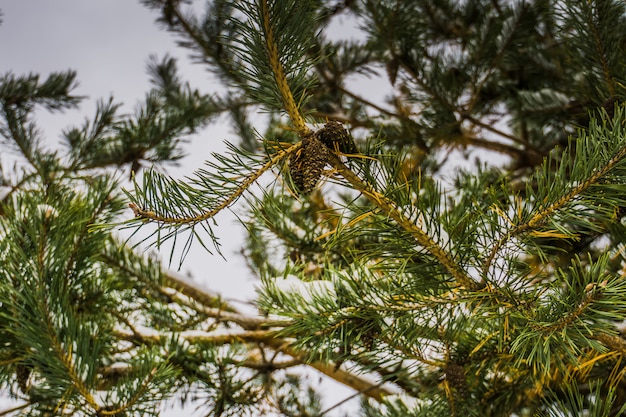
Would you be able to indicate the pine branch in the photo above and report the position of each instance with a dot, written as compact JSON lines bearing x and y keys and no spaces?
{"x":141,"y":390}
{"x":255,"y":329}
{"x":65,"y":357}
{"x":177,"y":206}
{"x":594,"y":31}
{"x":269,"y":338}
{"x":289,"y":102}
{"x":26,"y":91}
{"x":611,"y":341}
{"x":10,"y":411}
{"x":612,"y":139}
{"x":509,"y":29}
{"x":499,"y":147}
{"x":390,"y":208}
{"x":368,"y":388}
{"x":251,"y":325}
{"x":369,"y":103}
{"x":272,"y":46}
{"x":466,"y":116}
{"x":223,"y":315}
{"x":198,"y":337}
{"x":206,"y":178}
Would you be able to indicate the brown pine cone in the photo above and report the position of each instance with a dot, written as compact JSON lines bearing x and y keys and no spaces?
{"x":337,"y":138}
{"x":307,"y":164}
{"x":455,"y":375}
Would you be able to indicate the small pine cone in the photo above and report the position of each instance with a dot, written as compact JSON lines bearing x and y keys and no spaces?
{"x":22,"y":375}
{"x":295,"y":171}
{"x":306,"y":165}
{"x":337,"y":138}
{"x":455,"y":375}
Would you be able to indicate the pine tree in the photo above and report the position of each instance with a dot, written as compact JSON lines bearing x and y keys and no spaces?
{"x":493,"y":290}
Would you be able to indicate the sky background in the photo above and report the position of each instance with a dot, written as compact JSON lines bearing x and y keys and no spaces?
{"x":108,"y":43}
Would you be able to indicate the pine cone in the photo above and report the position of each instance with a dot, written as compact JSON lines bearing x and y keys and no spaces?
{"x":306,"y":165}
{"x":337,"y":138}
{"x":455,"y":375}
{"x":22,"y":375}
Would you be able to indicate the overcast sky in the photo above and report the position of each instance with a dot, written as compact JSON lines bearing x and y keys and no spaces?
{"x":108,"y":44}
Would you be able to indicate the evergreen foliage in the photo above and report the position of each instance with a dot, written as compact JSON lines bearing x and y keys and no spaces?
{"x":431,"y":290}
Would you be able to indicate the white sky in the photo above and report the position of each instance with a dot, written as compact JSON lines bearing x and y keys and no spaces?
{"x":108,"y":44}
